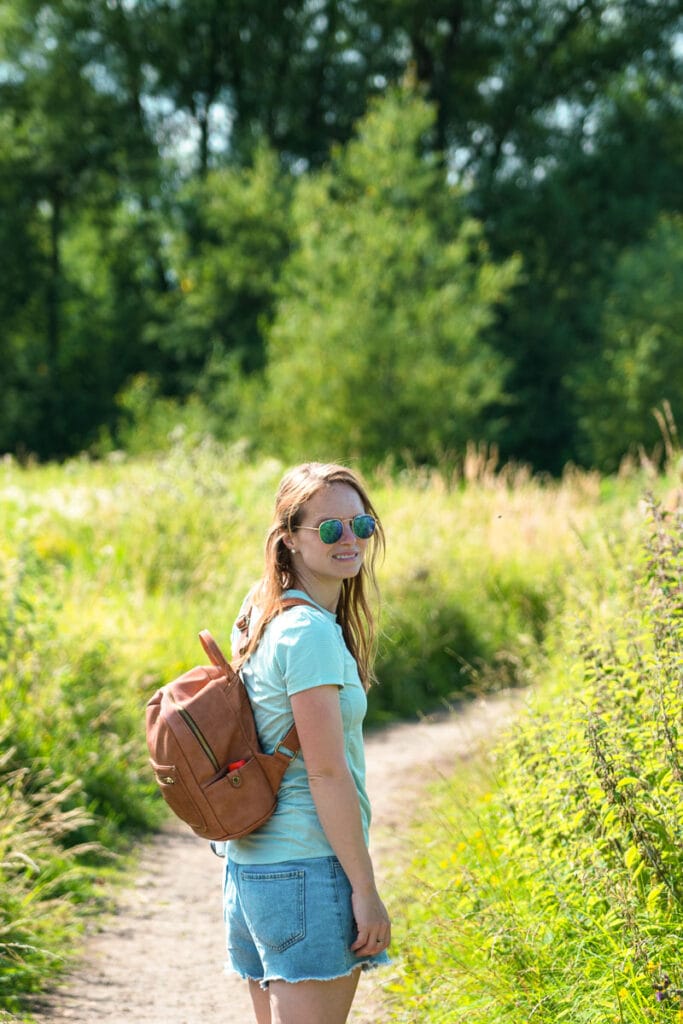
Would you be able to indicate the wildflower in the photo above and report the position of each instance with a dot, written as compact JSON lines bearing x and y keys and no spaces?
{"x":662,"y":988}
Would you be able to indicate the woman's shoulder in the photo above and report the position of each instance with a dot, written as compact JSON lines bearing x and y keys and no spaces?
{"x":306,"y":616}
{"x":305,"y":621}
{"x":307,"y":645}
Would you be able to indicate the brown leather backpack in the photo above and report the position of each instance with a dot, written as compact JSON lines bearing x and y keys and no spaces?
{"x":205,"y":751}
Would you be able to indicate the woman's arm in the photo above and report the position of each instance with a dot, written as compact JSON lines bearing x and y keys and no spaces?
{"x":317,"y":715}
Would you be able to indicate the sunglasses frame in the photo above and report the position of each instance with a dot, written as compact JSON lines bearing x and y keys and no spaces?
{"x":337,"y":519}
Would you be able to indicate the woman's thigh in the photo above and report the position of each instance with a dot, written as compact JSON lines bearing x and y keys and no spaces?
{"x":313,"y":1002}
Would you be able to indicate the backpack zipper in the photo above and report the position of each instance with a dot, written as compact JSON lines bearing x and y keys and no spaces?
{"x":197,"y":733}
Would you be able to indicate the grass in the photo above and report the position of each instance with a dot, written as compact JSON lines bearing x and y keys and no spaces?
{"x":109,"y":569}
{"x":550,"y":886}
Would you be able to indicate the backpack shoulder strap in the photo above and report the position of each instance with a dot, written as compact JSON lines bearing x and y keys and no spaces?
{"x":243,"y":621}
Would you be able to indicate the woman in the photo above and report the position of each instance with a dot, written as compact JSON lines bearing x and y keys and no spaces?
{"x":302,"y":910}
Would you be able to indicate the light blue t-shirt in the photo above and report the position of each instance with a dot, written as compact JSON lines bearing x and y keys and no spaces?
{"x":301,"y":648}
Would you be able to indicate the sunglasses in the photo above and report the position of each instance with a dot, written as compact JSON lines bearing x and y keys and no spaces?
{"x":331,"y":530}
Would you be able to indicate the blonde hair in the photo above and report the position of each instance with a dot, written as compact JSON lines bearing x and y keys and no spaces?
{"x":354,"y":611}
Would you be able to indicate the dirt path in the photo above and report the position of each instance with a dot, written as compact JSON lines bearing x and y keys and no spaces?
{"x":158,"y":960}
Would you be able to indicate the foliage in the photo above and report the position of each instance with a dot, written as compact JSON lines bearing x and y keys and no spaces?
{"x":558,"y":891}
{"x":73,"y":330}
{"x":41,"y":880}
{"x":69,"y":701}
{"x":294,"y":76}
{"x":642,"y":359}
{"x":471,"y":586}
{"x":70,"y":778}
{"x":382,"y":307}
{"x":571,"y":221}
{"x":227,"y":250}
{"x":148,"y":421}
{"x":131,"y":166}
{"x":109,"y":570}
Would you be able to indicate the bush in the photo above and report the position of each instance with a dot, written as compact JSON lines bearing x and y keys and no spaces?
{"x":558,"y":893}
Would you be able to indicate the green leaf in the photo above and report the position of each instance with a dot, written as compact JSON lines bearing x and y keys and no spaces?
{"x":631,"y":857}
{"x":629,"y":780}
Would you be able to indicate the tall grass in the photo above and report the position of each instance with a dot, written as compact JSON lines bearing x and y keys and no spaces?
{"x":557,"y":894}
{"x":108,"y":571}
{"x":42,"y":879}
{"x":477,"y":565}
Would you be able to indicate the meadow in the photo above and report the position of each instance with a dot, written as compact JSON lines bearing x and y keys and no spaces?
{"x":493,"y":578}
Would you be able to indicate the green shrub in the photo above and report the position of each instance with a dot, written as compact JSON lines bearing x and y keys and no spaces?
{"x":70,"y":715}
{"x":558,"y":893}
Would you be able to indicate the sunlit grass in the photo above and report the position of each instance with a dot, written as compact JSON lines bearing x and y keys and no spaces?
{"x":549,"y":886}
{"x":108,"y":570}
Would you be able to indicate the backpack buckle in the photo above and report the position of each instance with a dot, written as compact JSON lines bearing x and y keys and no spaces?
{"x":282,"y":749}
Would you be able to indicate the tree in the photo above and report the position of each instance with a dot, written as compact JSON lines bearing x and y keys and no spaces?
{"x":563,"y":116}
{"x":231,"y":236}
{"x":76,"y":145}
{"x":560,"y":120}
{"x":641,"y":364}
{"x":378,"y":344}
{"x":232,"y":76}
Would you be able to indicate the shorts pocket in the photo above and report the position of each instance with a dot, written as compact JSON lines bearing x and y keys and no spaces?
{"x":274,"y":905}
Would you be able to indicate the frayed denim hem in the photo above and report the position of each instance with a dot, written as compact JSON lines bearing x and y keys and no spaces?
{"x":263,"y":983}
{"x":229,"y":969}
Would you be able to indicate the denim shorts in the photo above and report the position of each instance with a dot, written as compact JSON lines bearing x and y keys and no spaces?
{"x":291,"y":921}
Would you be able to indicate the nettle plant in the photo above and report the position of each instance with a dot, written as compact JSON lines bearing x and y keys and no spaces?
{"x":617,"y":784}
{"x":637,"y":752}
{"x":559,"y":893}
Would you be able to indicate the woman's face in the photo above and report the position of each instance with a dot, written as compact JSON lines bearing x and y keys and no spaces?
{"x":316,"y":562}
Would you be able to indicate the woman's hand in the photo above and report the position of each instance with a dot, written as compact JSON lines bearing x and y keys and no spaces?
{"x":372,"y":921}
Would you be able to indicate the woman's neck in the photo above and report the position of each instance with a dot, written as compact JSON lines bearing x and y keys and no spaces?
{"x":326,"y":593}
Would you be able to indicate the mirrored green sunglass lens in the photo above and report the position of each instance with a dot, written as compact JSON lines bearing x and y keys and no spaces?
{"x":363,"y":526}
{"x":331,"y":530}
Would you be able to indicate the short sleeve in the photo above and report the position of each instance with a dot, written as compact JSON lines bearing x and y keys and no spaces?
{"x":310,"y":651}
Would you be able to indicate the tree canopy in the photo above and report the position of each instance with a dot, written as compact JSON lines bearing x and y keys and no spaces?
{"x":165,"y":166}
{"x":378,"y":341}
